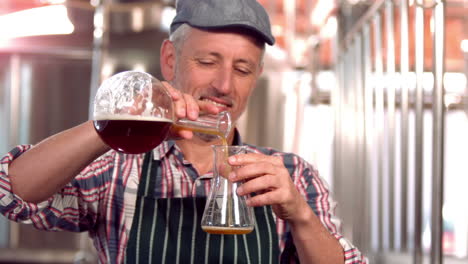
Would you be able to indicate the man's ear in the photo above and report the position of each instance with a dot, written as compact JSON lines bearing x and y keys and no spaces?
{"x":167,"y":60}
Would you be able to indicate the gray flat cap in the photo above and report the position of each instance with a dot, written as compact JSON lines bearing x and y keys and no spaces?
{"x":214,"y":14}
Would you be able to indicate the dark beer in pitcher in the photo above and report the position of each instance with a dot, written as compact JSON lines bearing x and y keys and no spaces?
{"x":132,"y":134}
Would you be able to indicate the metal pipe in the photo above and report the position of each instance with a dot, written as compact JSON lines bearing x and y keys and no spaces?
{"x":438,"y":133}
{"x":367,"y":173}
{"x":419,"y":132}
{"x":404,"y":69}
{"x":14,"y":125}
{"x":335,"y":102}
{"x":358,"y":135}
{"x":100,"y":46}
{"x":290,"y":28}
{"x":369,"y":130}
{"x":390,"y":62}
{"x":15,"y":99}
{"x":373,"y":9}
{"x":379,"y":126}
{"x":362,"y":234}
{"x":353,"y":136}
{"x":335,"y":105}
{"x":337,"y":141}
{"x":60,"y":52}
{"x":344,"y":128}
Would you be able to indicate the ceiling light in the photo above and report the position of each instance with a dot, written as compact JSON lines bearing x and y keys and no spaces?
{"x":277,"y":30}
{"x":52,"y":1}
{"x":168,"y":13}
{"x":48,"y":20}
{"x":321,"y":11}
{"x":330,"y":28}
{"x":464,"y":45}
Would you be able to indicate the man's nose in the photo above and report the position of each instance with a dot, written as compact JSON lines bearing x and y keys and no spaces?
{"x":223,"y":81}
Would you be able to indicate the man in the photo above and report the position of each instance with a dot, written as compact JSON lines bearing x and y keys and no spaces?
{"x":146,"y":208}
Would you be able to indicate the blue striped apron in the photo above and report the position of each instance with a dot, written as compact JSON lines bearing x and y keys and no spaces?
{"x":167,"y":230}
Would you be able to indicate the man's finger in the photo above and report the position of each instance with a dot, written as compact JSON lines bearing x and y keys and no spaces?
{"x":267,"y":198}
{"x":252,"y":170}
{"x":192,"y":108}
{"x":258,"y":185}
{"x":174,"y":93}
{"x":243,"y":159}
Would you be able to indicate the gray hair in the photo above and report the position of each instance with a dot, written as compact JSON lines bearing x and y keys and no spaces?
{"x":180,"y":35}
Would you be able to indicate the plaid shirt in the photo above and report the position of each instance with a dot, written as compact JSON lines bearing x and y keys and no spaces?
{"x":101,"y":199}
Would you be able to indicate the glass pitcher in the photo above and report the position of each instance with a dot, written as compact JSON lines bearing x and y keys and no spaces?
{"x":226,"y":212}
{"x":133,"y":113}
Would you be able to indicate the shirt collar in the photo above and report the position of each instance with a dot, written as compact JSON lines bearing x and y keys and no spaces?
{"x":169,"y":146}
{"x":163,"y":149}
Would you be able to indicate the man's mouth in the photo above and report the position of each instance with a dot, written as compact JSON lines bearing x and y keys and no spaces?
{"x":218,"y":102}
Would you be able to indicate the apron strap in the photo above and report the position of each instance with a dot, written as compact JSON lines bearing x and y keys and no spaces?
{"x":147,"y":182}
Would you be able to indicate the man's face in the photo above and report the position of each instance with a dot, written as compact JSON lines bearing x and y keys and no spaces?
{"x":220,"y":68}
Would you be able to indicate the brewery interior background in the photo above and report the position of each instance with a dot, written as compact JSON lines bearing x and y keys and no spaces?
{"x":371,"y":92}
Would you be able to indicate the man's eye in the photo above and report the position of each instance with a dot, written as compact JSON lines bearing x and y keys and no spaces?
{"x":206,"y":62}
{"x":243,"y":71}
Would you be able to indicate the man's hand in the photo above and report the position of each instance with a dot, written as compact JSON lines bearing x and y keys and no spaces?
{"x":185,"y":106}
{"x":267,"y":176}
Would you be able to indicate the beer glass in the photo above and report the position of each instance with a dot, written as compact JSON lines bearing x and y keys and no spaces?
{"x":226,"y":212}
{"x":133,"y":113}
